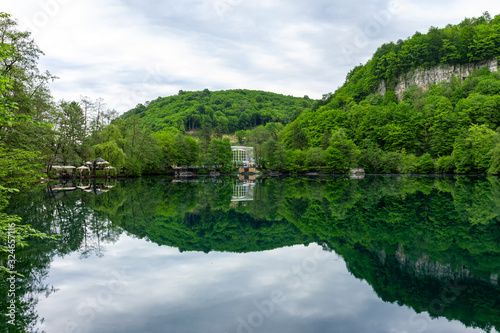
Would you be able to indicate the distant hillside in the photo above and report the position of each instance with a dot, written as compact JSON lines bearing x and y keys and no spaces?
{"x":428,"y":103}
{"x":472,"y":41}
{"x":229,"y":110}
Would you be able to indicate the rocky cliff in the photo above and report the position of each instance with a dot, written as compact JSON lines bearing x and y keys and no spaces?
{"x":424,"y":267}
{"x":424,"y":78}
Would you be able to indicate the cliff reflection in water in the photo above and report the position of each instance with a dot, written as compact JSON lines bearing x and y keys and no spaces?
{"x":430,"y":243}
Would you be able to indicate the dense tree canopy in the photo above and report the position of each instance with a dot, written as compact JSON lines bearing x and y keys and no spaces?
{"x":449,"y":127}
{"x":227,"y":111}
{"x":473,"y":40}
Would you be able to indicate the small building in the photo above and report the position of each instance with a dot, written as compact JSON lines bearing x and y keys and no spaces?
{"x":243,"y":156}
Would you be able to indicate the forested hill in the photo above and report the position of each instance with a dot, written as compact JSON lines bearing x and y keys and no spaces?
{"x":447,"y":126}
{"x":473,"y":40}
{"x":228,"y":111}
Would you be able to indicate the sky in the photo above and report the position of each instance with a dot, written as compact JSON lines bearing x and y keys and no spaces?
{"x":129,"y":51}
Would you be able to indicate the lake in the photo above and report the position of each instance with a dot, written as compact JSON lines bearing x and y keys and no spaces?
{"x":325,"y":254}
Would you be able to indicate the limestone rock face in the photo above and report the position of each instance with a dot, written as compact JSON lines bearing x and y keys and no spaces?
{"x":424,"y":78}
{"x":425,"y":267}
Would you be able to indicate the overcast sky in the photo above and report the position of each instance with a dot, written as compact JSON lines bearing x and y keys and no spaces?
{"x":132,"y":51}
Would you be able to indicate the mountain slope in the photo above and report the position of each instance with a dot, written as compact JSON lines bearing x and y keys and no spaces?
{"x":229,"y":110}
{"x":409,"y":125}
{"x":473,"y":40}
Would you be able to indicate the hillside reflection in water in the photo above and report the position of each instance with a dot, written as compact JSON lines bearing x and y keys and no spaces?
{"x":279,"y":255}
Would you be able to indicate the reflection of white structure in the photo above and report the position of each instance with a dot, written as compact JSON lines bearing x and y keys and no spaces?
{"x":243,"y":192}
{"x":242,"y":155}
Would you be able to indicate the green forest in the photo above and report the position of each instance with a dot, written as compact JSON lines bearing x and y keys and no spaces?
{"x":450,"y":127}
{"x":224,"y":111}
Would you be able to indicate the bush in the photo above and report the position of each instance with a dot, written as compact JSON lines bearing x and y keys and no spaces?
{"x":494,"y":168}
{"x":202,"y":171}
{"x":391,"y":162}
{"x":335,"y":161}
{"x":409,"y":164}
{"x":425,"y":164}
{"x":445,"y":164}
{"x":472,"y":150}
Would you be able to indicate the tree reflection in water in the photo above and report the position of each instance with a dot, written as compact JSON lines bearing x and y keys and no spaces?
{"x":412,"y":239}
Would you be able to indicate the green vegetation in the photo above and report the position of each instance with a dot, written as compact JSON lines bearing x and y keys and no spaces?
{"x":450,"y":127}
{"x":19,"y":164}
{"x":473,"y":40}
{"x":454,"y":124}
{"x":225,"y":111}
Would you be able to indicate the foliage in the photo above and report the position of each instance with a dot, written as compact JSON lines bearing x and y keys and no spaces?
{"x":225,"y":111}
{"x":425,"y":164}
{"x":472,"y":150}
{"x":19,"y":117}
{"x":445,"y":164}
{"x":347,"y":148}
{"x":447,"y":119}
{"x":69,"y":139}
{"x":495,"y":160}
{"x":25,"y":93}
{"x":219,"y":153}
{"x":110,"y":152}
{"x":473,"y":40}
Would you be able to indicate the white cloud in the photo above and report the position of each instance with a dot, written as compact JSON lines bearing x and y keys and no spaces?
{"x":129,"y":51}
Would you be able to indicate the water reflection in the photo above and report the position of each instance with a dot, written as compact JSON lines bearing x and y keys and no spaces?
{"x":87,"y":185}
{"x":243,"y":191}
{"x":431,"y":244}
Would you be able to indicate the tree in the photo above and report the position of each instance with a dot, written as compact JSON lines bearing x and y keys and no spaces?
{"x":494,"y":168}
{"x":371,"y":156}
{"x":27,"y":93}
{"x":273,"y":154}
{"x":96,"y":123}
{"x":18,"y":167}
{"x":219,"y":153}
{"x":29,"y":87}
{"x":141,"y":148}
{"x":205,"y":136}
{"x":472,"y":150}
{"x":295,"y":160}
{"x":110,"y":152}
{"x":425,"y":164}
{"x":445,"y":126}
{"x":69,"y":133}
{"x":187,"y":149}
{"x":241,"y":135}
{"x":315,"y":158}
{"x":168,"y":144}
{"x":87,"y":105}
{"x":256,"y":138}
{"x":345,"y":146}
{"x":335,"y":160}
{"x":445,"y":164}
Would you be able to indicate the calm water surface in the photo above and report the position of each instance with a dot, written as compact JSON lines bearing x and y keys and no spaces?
{"x":379,"y":254}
